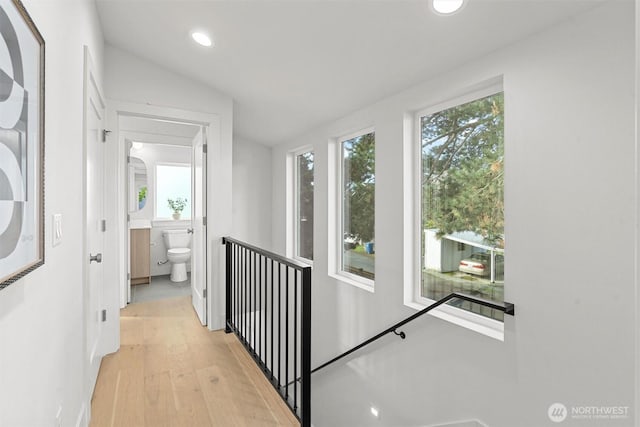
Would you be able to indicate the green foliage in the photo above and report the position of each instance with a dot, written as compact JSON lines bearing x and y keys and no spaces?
{"x":359,"y":186}
{"x":463,"y":169}
{"x":305,"y":205}
{"x":142,"y":194}
{"x":177,"y":205}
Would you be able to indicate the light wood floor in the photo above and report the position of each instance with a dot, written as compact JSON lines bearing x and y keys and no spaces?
{"x":170,"y":371}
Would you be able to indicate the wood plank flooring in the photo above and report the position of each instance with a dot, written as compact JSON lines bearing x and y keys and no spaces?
{"x":171,"y":371}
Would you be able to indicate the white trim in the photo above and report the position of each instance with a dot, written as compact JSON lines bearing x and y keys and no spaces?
{"x":178,"y":223}
{"x":354,"y":280}
{"x":412,"y":229}
{"x":292,"y":202}
{"x":488,"y":88}
{"x":216,"y":163}
{"x":636,"y":266}
{"x":335,"y":217}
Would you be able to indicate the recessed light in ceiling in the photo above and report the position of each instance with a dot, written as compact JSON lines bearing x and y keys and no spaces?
{"x":446,"y":7}
{"x":201,"y":38}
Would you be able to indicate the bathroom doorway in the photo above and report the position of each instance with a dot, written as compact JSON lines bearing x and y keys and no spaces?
{"x":165,"y":190}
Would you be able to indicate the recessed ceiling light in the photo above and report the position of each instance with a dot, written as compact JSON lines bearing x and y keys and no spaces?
{"x":446,"y":7}
{"x":201,"y":38}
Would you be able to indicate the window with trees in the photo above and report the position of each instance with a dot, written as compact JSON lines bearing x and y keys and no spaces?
{"x":173,"y":191}
{"x":357,"y":206}
{"x":462,"y":203}
{"x":303,"y":230}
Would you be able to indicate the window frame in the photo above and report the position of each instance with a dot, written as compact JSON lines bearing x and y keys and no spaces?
{"x":155,"y":190}
{"x":413,"y":222}
{"x":336,"y":217}
{"x":293,"y":203}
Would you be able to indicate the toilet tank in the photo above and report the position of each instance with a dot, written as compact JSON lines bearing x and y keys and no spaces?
{"x":176,"y":239}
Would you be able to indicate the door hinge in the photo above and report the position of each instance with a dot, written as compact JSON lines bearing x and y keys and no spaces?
{"x":204,"y":293}
{"x":128,"y":218}
{"x":128,"y":276}
{"x":105,"y":133}
{"x":128,"y":159}
{"x":204,"y":148}
{"x":204,"y":221}
{"x":103,"y":225}
{"x":104,"y":315}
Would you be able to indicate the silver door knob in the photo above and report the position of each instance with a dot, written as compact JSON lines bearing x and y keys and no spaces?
{"x":97,"y":258}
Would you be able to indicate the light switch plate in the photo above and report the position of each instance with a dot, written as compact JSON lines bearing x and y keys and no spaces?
{"x":57,"y":229}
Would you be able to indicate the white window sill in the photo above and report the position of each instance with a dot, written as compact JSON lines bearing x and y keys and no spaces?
{"x":480,"y":324}
{"x":304,"y":261}
{"x":171,"y":222}
{"x":364,"y":284}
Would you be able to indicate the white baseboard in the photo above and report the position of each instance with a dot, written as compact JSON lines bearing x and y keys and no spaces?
{"x":83,"y":417}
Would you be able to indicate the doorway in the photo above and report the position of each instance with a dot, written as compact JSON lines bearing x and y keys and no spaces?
{"x":165,"y":189}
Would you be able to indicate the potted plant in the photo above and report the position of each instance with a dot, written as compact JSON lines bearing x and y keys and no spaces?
{"x":177,"y":206}
{"x":142,"y":197}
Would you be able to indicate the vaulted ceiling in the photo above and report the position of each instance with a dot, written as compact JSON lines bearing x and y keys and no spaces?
{"x":291,"y":65}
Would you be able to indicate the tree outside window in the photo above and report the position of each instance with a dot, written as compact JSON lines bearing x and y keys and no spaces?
{"x":462,"y":150}
{"x":304,"y":205}
{"x":358,"y":205}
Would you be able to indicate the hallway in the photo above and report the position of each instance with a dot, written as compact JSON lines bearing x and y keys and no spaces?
{"x":170,"y":371}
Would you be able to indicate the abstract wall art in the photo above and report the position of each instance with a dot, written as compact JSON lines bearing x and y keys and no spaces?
{"x":21,"y":143}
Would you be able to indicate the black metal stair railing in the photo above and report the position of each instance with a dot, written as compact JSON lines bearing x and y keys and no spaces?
{"x":505,"y":307}
{"x":268,"y":306}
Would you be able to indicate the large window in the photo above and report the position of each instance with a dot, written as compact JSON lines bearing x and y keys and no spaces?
{"x":357,"y":206}
{"x":304,"y":205}
{"x":462,"y":219}
{"x":173,"y":183}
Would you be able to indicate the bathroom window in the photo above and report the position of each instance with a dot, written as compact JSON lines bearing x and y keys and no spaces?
{"x":173,"y":191}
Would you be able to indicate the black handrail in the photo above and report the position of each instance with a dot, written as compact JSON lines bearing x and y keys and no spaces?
{"x":506,"y":308}
{"x":271,"y":255}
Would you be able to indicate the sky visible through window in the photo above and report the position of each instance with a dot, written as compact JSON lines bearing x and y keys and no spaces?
{"x":172,"y":181}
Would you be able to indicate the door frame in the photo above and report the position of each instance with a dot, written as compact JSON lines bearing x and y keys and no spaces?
{"x":117,"y":199}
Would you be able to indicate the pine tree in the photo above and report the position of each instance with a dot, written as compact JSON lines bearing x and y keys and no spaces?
{"x":463,"y":169}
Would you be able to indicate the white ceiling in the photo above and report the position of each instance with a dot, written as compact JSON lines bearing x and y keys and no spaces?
{"x":291,"y":65}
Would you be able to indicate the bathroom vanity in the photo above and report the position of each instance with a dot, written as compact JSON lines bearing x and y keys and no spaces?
{"x":140,"y":253}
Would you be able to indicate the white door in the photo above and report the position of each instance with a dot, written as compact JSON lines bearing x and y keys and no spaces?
{"x":199,"y":226}
{"x":93,"y":286}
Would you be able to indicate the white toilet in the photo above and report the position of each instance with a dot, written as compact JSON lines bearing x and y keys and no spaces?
{"x":178,"y":252}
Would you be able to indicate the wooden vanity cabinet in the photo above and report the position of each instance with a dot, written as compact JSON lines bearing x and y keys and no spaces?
{"x":140,"y":256}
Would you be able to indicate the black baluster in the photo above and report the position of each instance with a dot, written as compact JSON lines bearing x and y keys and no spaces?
{"x":273,"y":307}
{"x":286,"y":334}
{"x":305,"y":338}
{"x":295,"y":341}
{"x":279,"y":324}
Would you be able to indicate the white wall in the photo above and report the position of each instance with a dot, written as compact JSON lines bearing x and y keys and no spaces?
{"x":41,"y":315}
{"x":569,"y":199}
{"x":252,"y":193}
{"x":148,"y":88}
